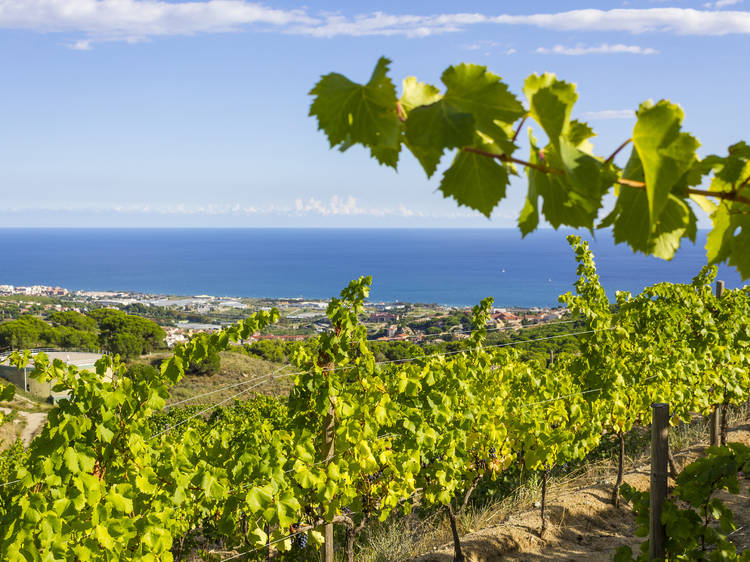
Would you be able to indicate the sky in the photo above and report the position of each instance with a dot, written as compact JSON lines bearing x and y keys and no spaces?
{"x":150,"y":113}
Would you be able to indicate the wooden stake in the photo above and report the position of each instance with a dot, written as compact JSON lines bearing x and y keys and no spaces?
{"x":715,"y":421}
{"x":326,"y":554}
{"x":659,"y":445}
{"x":545,"y":476}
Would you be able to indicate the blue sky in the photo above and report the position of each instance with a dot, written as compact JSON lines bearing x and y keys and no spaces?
{"x":172,"y":113}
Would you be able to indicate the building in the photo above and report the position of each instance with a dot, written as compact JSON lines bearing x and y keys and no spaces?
{"x":21,"y":378}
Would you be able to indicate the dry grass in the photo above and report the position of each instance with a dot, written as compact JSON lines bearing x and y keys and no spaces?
{"x":236,"y":368}
{"x":517,"y":514}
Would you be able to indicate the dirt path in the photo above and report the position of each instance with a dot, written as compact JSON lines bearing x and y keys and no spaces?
{"x":34,"y":422}
{"x":583,"y":524}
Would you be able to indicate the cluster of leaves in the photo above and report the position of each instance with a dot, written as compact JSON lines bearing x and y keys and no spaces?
{"x":480,"y":118}
{"x":697,"y":523}
{"x":7,"y":391}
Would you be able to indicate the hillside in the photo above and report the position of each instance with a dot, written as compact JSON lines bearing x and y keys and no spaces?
{"x":236,"y":368}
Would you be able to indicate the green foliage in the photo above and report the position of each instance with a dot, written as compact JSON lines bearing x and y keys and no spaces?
{"x":67,"y":331}
{"x":127,"y":335}
{"x":75,"y":320}
{"x":211,"y":365}
{"x":697,"y":528}
{"x":478,"y":117}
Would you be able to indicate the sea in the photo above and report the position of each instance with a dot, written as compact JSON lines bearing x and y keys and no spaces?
{"x":456,"y":267}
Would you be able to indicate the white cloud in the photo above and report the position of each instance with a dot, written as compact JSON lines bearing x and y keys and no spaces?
{"x":80,"y":45}
{"x":683,"y":21}
{"x":719,"y":4}
{"x":138,"y":20}
{"x":603,"y":49}
{"x":609,"y":114}
{"x":336,"y":206}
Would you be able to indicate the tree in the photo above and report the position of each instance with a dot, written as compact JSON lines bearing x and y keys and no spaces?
{"x":143,"y":336}
{"x":479,"y":116}
{"x":73,"y":319}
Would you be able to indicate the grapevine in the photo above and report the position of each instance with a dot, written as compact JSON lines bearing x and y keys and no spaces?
{"x":478,"y":118}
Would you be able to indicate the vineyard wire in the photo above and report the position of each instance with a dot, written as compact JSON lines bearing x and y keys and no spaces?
{"x":430,"y":335}
{"x":387,"y":435}
{"x":275,"y":374}
{"x":263,"y":379}
{"x":224,"y":388}
{"x":447,"y":353}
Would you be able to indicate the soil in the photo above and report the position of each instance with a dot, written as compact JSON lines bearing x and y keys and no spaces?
{"x":34,"y":423}
{"x":583,"y":524}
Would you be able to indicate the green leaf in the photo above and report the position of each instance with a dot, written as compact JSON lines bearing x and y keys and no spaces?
{"x":416,"y":93}
{"x":550,"y":104}
{"x":71,"y":460}
{"x":430,"y":129}
{"x":470,"y":88}
{"x":259,"y":498}
{"x":7,"y":392}
{"x":475,"y":181}
{"x":578,"y":133}
{"x":351,"y":113}
{"x":665,"y":153}
{"x":730,"y":238}
{"x":573,"y":197}
{"x":630,"y":217}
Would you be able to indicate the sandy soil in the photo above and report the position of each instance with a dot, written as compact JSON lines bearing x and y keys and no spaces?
{"x":583,"y":524}
{"x":34,"y":424}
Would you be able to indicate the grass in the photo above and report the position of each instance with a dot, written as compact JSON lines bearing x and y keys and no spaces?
{"x":236,"y":369}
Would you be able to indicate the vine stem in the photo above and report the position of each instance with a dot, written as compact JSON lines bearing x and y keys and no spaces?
{"x":727,"y":195}
{"x":617,"y":150}
{"x":518,"y":129}
{"x":506,"y":158}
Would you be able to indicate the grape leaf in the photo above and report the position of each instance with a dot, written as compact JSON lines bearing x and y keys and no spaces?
{"x":572,"y":196}
{"x":630,"y":218}
{"x":351,"y":113}
{"x":475,"y":181}
{"x":430,"y":129}
{"x":416,"y":93}
{"x":550,"y":104}
{"x":666,"y":154}
{"x":470,"y":88}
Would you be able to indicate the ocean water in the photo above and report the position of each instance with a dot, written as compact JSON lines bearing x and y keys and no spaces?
{"x":447,"y":266}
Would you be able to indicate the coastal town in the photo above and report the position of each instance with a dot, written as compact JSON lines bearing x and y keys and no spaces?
{"x":182,"y":317}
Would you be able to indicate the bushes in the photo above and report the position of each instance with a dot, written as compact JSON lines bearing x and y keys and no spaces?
{"x":209,"y":366}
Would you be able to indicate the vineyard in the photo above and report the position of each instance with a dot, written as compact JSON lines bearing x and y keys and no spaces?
{"x":117,"y":476}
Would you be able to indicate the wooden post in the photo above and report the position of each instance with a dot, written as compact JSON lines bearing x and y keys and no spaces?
{"x":326,"y":554}
{"x":659,"y":444}
{"x":715,"y":421}
{"x":545,"y":476}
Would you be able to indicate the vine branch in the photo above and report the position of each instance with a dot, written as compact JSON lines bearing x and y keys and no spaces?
{"x":617,"y":150}
{"x":725,"y":195}
{"x":506,"y":158}
{"x":518,"y":129}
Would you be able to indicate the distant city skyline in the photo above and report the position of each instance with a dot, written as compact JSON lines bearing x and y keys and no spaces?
{"x":194,"y":114}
